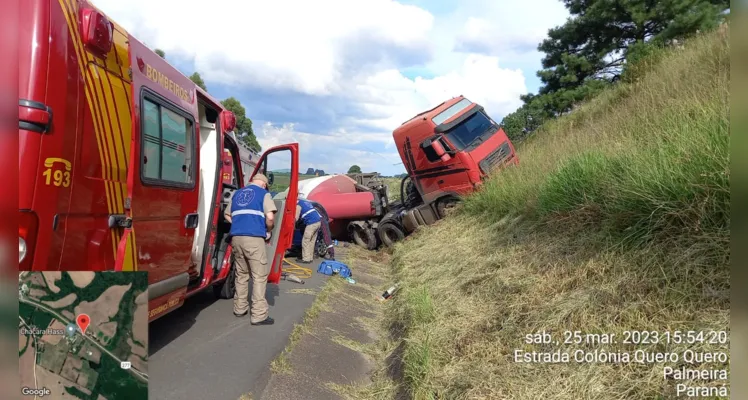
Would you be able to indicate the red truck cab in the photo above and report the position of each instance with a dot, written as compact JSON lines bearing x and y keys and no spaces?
{"x":448,"y":152}
{"x":450,"y":149}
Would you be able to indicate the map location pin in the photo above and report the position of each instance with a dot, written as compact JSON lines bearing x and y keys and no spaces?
{"x":83,"y":320}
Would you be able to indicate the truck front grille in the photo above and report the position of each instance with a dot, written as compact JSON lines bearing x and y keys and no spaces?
{"x":495,"y":159}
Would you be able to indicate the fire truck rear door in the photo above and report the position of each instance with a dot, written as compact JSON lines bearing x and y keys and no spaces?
{"x":281,"y":165}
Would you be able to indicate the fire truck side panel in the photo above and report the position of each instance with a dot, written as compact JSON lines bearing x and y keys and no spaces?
{"x":165,"y":173}
{"x":67,"y":197}
{"x":33,"y":57}
{"x":104,"y":141}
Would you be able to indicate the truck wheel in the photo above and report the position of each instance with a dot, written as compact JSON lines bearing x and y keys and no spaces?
{"x":227,"y":289}
{"x":390,"y":233}
{"x":446,"y":205}
{"x":364,"y":237}
{"x":320,"y":247}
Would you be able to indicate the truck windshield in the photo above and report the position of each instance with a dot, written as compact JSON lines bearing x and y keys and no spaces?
{"x":464,"y":134}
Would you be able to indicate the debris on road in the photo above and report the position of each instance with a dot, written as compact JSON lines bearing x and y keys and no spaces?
{"x":388,"y":293}
{"x":291,"y":278}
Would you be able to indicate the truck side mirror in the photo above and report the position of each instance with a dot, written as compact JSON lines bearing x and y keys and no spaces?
{"x":439,"y":150}
{"x":271,"y":178}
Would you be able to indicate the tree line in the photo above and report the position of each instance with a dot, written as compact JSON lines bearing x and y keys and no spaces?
{"x":604,"y":42}
{"x":243,"y":128}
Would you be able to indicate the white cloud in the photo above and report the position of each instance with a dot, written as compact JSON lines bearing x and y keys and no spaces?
{"x":492,"y":38}
{"x":331,"y":153}
{"x":294,"y":45}
{"x":510,"y":29}
{"x":481,"y":79}
{"x":346,"y":52}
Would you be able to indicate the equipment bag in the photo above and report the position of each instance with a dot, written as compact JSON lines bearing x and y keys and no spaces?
{"x":329,"y":267}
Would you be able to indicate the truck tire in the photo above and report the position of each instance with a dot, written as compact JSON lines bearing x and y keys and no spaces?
{"x":227,"y":289}
{"x":390,"y":233}
{"x":364,"y":237}
{"x":446,"y":205}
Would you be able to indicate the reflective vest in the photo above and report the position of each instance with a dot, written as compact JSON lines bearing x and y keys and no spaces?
{"x":247,"y":215}
{"x":309,"y":214}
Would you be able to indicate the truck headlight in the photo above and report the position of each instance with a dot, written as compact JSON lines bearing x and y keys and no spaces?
{"x":21,"y":249}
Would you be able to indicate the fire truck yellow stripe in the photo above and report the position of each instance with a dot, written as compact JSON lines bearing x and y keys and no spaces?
{"x":93,"y":76}
{"x":105,"y":111}
{"x":122,"y":99}
{"x":97,"y":119}
{"x":93,"y":106}
{"x":116,"y":128}
{"x":119,"y":117}
{"x":109,"y":102}
{"x":119,"y":111}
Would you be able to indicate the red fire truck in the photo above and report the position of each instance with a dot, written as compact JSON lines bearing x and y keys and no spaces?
{"x":121,"y":157}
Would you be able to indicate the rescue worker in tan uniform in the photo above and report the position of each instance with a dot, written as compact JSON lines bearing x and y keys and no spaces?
{"x":312,"y":221}
{"x":252,"y":216}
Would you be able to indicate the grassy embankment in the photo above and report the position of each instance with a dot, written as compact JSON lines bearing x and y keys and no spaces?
{"x":617,"y":218}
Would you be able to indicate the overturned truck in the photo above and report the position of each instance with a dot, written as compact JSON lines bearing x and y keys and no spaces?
{"x":448,"y":152}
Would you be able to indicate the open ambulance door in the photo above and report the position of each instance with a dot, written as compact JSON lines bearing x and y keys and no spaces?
{"x":280,"y":164}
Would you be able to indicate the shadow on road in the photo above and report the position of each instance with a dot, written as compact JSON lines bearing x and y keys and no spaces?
{"x":164,"y":330}
{"x":271,"y":293}
{"x":169,"y":327}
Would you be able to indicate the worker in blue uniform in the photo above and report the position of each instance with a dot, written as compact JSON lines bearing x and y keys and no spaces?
{"x":312,"y":221}
{"x":252,"y":216}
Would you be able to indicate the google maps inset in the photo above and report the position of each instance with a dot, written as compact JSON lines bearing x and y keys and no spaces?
{"x":83,"y":335}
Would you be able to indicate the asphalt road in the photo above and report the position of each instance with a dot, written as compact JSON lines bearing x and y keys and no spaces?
{"x":202,"y":351}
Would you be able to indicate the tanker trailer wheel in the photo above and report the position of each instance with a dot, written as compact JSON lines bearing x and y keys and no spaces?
{"x":364,"y":237}
{"x":227,"y":289}
{"x":446,"y":206}
{"x":389,"y":233}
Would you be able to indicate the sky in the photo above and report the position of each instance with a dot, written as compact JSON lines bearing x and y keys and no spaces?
{"x":338,"y":76}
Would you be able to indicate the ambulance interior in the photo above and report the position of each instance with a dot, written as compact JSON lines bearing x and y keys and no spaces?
{"x":209,"y":158}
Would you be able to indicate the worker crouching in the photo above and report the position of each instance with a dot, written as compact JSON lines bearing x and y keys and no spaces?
{"x":312,"y":221}
{"x":252,"y":216}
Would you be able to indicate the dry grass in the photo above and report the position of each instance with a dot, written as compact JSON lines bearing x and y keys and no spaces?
{"x":617,"y":219}
{"x":310,"y":292}
{"x":280,"y":364}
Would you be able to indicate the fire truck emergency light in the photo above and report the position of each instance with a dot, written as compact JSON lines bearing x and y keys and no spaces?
{"x":96,"y":31}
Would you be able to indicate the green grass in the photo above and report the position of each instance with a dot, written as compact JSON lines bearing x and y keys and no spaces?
{"x":282,"y":180}
{"x":617,"y":218}
{"x":393,"y":187}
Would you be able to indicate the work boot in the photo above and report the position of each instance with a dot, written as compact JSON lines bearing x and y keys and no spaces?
{"x":266,"y":321}
{"x":242,"y":314}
